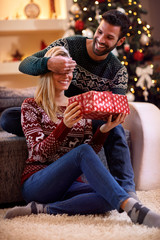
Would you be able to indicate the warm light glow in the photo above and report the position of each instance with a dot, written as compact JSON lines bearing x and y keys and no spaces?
{"x":152,"y":66}
{"x":122,"y":62}
{"x":140,"y":50}
{"x":75,"y":1}
{"x":135,"y":79}
{"x":46,"y":11}
{"x":85,"y":9}
{"x":109,"y":4}
{"x":139,"y":32}
{"x":131,"y":50}
{"x":130,"y":11}
{"x":154,"y":81}
{"x":132,"y":90}
{"x":128,"y":34}
{"x":96,"y":2}
{"x":130,"y":27}
{"x":126,"y":63}
{"x":124,"y":57}
{"x":148,"y":26}
{"x":134,"y":3}
{"x":90,"y":19}
{"x":140,"y":6}
{"x":135,"y":13}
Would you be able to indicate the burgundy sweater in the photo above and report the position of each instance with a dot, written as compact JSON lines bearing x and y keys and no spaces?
{"x":47,"y":140}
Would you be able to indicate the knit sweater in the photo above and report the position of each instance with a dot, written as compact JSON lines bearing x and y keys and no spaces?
{"x":47,"y":141}
{"x":106,"y":75}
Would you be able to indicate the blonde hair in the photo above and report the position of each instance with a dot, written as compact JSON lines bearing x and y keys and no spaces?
{"x":45,"y":91}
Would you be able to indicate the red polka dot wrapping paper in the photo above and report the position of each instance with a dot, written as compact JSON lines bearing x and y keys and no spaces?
{"x":99,"y":105}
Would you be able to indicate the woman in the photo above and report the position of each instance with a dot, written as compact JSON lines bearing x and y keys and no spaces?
{"x":61,"y":147}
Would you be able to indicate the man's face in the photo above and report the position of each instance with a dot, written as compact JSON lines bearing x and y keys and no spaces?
{"x":105,"y":39}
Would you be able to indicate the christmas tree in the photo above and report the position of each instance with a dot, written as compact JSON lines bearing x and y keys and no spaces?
{"x":138,"y":51}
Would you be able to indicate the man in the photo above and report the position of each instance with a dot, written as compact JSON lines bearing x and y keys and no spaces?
{"x":96,"y":68}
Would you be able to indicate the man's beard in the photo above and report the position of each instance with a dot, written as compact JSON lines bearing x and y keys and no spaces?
{"x":105,"y":51}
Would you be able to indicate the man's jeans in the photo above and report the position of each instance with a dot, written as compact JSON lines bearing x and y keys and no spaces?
{"x":118,"y":156}
{"x":56,"y":185}
{"x":116,"y":148}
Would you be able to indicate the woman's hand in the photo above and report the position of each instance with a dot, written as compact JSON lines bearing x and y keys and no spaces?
{"x":72,"y":114}
{"x":109,"y":125}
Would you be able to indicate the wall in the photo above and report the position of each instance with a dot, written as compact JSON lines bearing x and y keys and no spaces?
{"x":12,"y":9}
{"x":153,"y":16}
{"x":26,"y":42}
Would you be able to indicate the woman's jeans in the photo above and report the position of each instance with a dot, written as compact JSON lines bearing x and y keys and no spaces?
{"x":56,"y":185}
{"x":116,"y":148}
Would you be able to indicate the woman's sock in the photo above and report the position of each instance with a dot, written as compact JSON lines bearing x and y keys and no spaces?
{"x":140,"y":214}
{"x":32,"y":207}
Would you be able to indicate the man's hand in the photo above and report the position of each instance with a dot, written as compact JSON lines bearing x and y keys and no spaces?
{"x":60,"y":64}
{"x":109,"y":125}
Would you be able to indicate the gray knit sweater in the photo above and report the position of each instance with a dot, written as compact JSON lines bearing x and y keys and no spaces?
{"x":105,"y":75}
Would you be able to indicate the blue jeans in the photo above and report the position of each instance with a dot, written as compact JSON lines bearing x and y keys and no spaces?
{"x":118,"y":156}
{"x":116,"y":148}
{"x":10,"y":121}
{"x":55,"y":185}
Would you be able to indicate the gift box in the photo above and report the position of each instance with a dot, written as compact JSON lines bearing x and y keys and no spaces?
{"x":99,"y":105}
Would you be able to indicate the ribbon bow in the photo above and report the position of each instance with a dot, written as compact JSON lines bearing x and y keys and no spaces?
{"x":144,"y":73}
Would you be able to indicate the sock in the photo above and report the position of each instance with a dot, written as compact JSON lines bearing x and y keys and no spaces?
{"x":32,"y":207}
{"x":134,"y":195}
{"x":140,"y":214}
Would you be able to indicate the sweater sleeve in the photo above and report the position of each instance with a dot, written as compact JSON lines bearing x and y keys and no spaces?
{"x":41,"y":147}
{"x":37,"y":64}
{"x":120,"y":81}
{"x":97,"y":140}
{"x":51,"y":144}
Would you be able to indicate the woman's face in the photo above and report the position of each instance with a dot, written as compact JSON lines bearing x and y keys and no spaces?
{"x":62,"y":81}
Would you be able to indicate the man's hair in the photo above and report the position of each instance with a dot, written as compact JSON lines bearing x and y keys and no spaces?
{"x":117,"y":18}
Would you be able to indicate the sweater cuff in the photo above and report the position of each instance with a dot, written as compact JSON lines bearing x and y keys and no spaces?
{"x":61,"y":131}
{"x":99,"y":137}
{"x":44,"y":64}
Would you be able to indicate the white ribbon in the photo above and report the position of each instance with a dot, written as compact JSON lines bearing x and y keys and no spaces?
{"x":144,"y":73}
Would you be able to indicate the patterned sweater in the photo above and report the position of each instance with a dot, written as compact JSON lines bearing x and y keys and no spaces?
{"x":47,"y":140}
{"x":105,"y":75}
